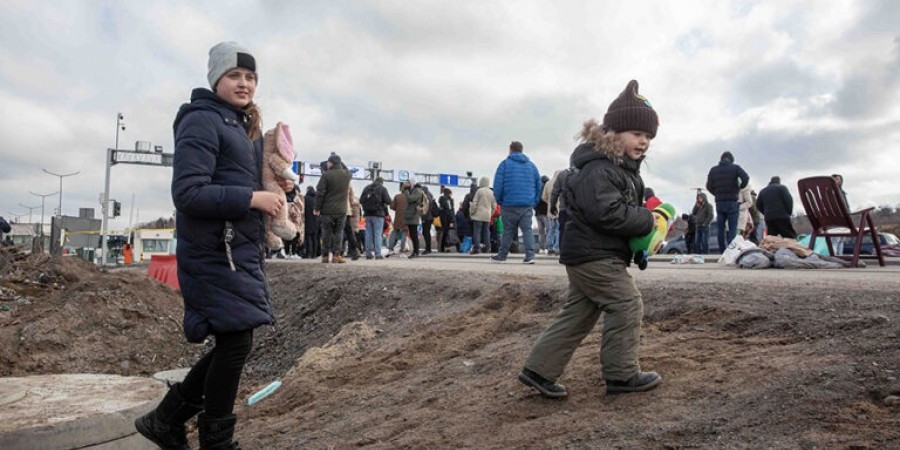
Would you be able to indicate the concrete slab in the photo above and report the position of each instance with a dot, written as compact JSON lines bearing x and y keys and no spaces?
{"x":75,"y":411}
{"x":172,"y":376}
{"x":130,"y":442}
{"x":10,"y":394}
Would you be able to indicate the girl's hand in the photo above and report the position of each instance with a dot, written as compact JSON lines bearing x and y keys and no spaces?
{"x":267,"y":202}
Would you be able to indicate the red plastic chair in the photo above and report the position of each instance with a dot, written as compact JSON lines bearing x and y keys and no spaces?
{"x":825,"y":206}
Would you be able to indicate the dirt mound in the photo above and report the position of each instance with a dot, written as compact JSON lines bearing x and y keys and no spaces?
{"x":63,"y":315}
{"x":409,"y":359}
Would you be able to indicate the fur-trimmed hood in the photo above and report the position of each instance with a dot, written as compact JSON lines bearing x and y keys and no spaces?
{"x":599,"y":142}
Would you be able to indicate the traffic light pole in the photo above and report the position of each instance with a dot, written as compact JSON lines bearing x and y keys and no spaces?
{"x":105,"y":208}
{"x":116,"y":156}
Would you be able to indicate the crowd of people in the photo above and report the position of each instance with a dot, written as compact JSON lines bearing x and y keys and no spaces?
{"x":338,"y":225}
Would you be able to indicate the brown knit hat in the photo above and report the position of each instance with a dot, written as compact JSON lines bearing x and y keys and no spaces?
{"x":631,"y":111}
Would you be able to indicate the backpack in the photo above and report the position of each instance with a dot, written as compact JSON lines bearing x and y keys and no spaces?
{"x":371,"y":203}
{"x":425,"y":206}
{"x":433,"y":209}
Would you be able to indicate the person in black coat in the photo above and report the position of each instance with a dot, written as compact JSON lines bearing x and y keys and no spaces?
{"x":220,"y":203}
{"x":724,"y":182}
{"x":311,"y":243}
{"x":776,"y":205}
{"x":448,"y":217}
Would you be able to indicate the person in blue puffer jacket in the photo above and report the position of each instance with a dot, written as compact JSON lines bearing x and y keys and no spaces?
{"x":220,"y":202}
{"x":517,"y":188}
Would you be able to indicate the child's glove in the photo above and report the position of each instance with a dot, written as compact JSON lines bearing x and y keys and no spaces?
{"x":648,"y":245}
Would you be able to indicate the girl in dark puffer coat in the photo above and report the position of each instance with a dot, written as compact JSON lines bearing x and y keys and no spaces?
{"x":217,"y":190}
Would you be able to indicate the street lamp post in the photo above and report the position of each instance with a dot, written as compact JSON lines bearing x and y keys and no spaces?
{"x":43,"y":198}
{"x":120,"y":125}
{"x":30,"y":209}
{"x":61,"y":176}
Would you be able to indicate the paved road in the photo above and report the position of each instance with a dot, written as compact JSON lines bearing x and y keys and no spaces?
{"x":660,"y":270}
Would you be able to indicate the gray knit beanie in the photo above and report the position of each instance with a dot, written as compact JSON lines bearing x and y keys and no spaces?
{"x":225,"y":56}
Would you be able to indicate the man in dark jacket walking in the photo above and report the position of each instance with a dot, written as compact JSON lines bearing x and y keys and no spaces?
{"x":374,"y":201}
{"x":776,"y":204}
{"x":331,"y":206}
{"x":517,"y":188}
{"x":725,"y":182}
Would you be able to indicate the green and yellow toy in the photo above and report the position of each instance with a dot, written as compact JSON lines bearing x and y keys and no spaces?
{"x":648,"y":245}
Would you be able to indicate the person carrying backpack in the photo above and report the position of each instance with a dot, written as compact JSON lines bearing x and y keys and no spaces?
{"x":374,"y":201}
{"x":428,"y":219}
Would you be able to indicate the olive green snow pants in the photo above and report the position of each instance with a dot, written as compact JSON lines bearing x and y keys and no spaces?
{"x":595,"y":287}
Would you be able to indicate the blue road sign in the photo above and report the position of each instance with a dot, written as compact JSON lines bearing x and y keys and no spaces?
{"x":448,"y":180}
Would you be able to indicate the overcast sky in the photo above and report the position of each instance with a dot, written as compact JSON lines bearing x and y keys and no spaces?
{"x":792,"y":88}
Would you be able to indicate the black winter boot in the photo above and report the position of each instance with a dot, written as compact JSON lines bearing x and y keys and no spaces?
{"x":643,"y":381}
{"x":216,"y":432}
{"x":164,"y":426}
{"x":547,"y":388}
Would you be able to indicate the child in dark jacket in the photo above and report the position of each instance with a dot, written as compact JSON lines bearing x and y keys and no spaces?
{"x":604,"y":200}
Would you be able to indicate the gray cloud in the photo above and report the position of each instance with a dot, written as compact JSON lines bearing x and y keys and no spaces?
{"x":878,"y":16}
{"x":869,"y":92}
{"x":870,"y":89}
{"x":783,"y":79}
